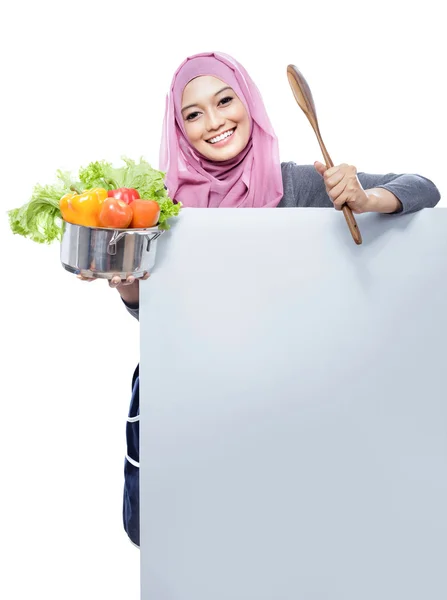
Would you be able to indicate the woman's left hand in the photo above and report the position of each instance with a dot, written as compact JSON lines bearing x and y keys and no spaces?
{"x":344,"y":187}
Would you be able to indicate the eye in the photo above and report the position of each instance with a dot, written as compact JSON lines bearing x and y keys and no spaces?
{"x":226,"y":100}
{"x":192,"y":116}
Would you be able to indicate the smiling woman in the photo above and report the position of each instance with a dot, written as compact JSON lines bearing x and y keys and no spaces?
{"x":212,"y":97}
{"x":219,"y":150}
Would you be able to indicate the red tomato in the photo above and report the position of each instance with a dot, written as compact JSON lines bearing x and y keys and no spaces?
{"x":145,"y":213}
{"x":127,"y":195}
{"x":115,"y":214}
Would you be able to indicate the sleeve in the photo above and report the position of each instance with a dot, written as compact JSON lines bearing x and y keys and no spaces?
{"x":133,"y":309}
{"x":303,"y":186}
{"x":414,"y":191}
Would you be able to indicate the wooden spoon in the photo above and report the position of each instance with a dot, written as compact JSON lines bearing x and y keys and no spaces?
{"x":303,"y":96}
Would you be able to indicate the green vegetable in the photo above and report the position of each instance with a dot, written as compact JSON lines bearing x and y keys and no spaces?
{"x":40,"y":219}
{"x":139,"y":176}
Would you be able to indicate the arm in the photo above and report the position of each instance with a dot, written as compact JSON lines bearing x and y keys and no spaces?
{"x":133,"y":310}
{"x":414,"y":192}
{"x":383,"y":201}
{"x":304,"y":186}
{"x":130,"y":294}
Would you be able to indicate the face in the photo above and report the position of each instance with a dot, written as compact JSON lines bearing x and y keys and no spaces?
{"x":215,"y":120}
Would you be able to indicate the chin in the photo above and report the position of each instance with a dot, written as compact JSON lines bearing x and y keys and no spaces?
{"x":222,"y":157}
{"x":227,"y":154}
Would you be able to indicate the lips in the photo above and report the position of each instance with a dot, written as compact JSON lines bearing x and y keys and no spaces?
{"x":222,"y":136}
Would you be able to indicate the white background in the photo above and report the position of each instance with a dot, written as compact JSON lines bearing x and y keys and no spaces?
{"x":86,"y":81}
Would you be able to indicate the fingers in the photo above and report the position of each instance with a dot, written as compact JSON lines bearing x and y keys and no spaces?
{"x":342,"y":185}
{"x":320,"y":167}
{"x":337,"y":194}
{"x":114,"y":281}
{"x":345,"y":198}
{"x":117,"y":281}
{"x":333,"y":178}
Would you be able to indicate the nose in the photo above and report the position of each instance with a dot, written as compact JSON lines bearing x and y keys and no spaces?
{"x":214,"y":120}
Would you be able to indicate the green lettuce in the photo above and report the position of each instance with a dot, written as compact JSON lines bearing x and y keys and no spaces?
{"x":40,"y":218}
{"x":140,"y":176}
{"x":150,"y":184}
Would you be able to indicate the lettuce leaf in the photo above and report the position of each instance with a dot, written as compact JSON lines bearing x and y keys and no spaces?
{"x":140,"y":176}
{"x":168,"y":209}
{"x":40,"y":219}
{"x":94,"y":175}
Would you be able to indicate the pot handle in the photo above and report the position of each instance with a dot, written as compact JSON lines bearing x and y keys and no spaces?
{"x":118,"y":234}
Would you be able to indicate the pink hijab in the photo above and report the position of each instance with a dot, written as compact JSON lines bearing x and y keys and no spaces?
{"x":250,"y":180}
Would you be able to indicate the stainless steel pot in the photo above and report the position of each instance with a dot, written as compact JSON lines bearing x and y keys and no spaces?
{"x":103,"y":253}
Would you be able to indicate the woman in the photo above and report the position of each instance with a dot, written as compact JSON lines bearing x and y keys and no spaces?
{"x":212,"y":95}
{"x":219,"y":150}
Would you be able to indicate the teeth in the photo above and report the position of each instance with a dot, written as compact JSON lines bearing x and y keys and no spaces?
{"x":219,"y":138}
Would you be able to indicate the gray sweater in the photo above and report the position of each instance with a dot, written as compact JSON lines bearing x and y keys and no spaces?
{"x":303,"y":186}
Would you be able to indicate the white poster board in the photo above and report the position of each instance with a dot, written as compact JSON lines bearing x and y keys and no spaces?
{"x":294,"y":408}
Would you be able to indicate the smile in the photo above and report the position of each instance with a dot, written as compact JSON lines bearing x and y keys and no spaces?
{"x":222,"y":136}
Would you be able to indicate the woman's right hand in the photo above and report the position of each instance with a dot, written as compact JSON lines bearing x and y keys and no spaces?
{"x":129,"y":289}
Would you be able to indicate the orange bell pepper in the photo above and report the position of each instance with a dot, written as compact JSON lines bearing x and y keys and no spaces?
{"x":83,"y":209}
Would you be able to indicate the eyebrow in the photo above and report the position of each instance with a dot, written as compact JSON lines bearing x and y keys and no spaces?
{"x":227,"y":87}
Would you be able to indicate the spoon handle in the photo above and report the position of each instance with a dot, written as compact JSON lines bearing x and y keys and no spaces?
{"x":352,"y":224}
{"x":350,"y":219}
{"x":303,"y":97}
